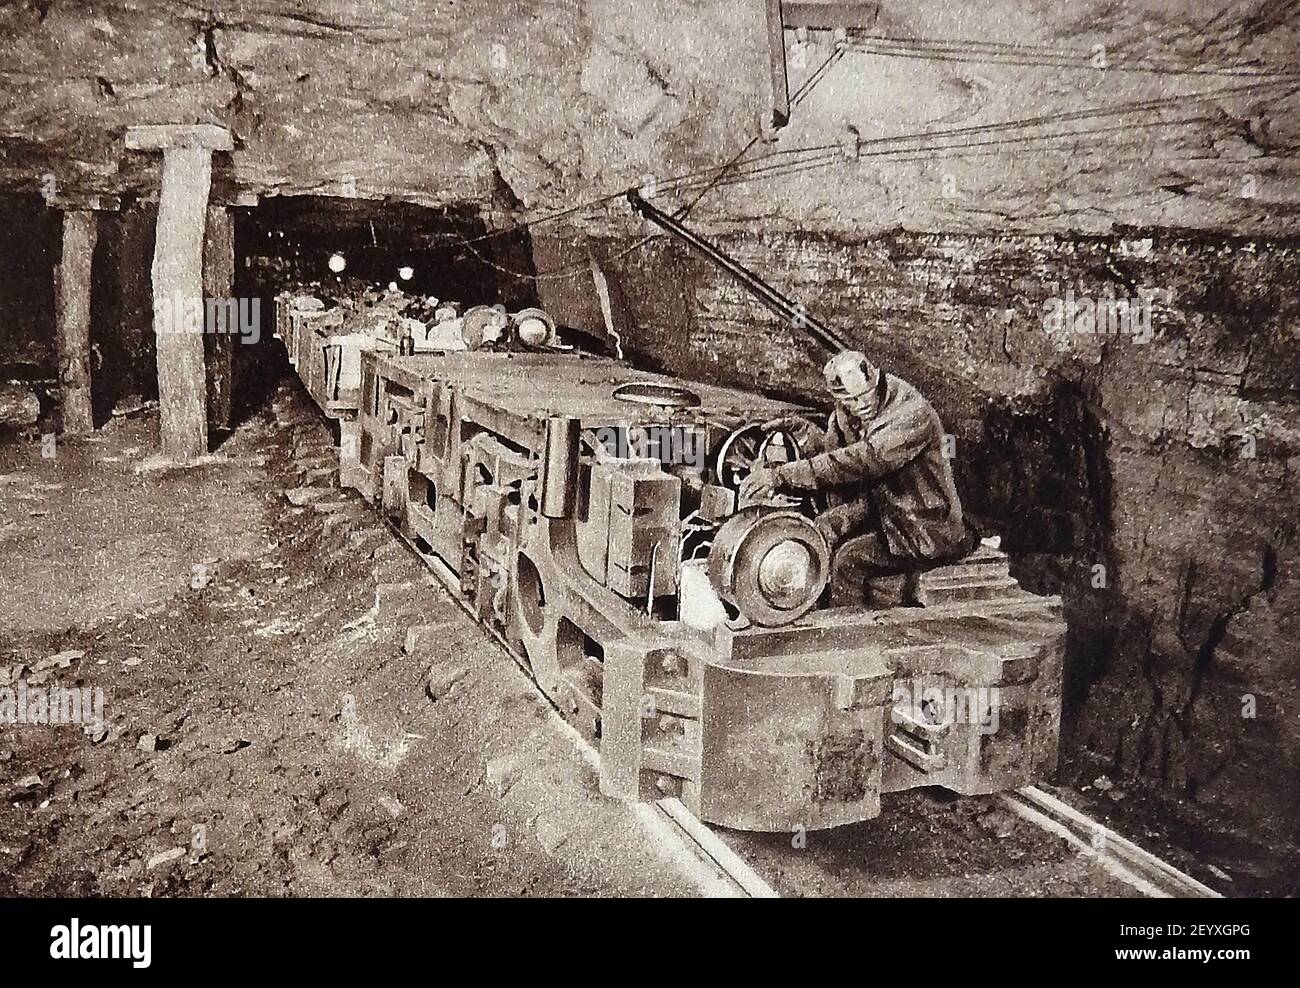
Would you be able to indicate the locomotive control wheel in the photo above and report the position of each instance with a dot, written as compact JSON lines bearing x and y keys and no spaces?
{"x":752,"y":447}
{"x":757,"y":446}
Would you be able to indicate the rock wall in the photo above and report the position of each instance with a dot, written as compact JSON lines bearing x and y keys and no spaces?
{"x":1155,"y":484}
{"x":1035,"y":116}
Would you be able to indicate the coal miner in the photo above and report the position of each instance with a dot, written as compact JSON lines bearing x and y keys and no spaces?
{"x":893,"y":502}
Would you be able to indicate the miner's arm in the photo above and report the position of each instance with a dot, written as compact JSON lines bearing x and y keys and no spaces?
{"x":887,"y":448}
{"x":811,"y":438}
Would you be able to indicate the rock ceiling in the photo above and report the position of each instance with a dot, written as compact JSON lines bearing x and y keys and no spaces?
{"x":1038,"y":116}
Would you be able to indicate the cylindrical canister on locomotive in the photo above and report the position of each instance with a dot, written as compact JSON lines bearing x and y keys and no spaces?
{"x":559,"y":475}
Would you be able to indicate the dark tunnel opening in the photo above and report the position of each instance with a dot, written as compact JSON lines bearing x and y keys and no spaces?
{"x":338,"y":247}
{"x":448,"y":252}
{"x":285,"y":242}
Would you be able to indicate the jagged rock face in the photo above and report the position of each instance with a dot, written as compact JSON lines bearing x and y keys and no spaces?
{"x":434,"y":102}
{"x":525,"y":107}
{"x":1150,"y":476}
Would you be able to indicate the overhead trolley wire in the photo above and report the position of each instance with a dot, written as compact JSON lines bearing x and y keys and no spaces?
{"x":1021,"y":133}
{"x":918,"y":146}
{"x":1117,"y":58}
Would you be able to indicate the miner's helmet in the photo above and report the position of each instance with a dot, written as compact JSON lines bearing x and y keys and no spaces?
{"x":848,"y":374}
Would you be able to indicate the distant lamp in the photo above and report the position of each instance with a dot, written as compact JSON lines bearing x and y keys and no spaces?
{"x":337,"y":263}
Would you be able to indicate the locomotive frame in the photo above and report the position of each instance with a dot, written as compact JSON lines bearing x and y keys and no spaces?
{"x":575,"y":561}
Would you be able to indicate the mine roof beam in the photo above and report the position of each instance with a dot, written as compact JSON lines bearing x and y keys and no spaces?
{"x":799,"y":14}
{"x":828,"y":15}
{"x":170,"y":137}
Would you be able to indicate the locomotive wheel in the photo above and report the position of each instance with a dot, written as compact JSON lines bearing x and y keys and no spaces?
{"x":530,"y":594}
{"x":566,"y":664}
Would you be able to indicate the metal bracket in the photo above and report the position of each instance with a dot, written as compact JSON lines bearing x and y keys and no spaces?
{"x":916,"y":741}
{"x":836,"y":15}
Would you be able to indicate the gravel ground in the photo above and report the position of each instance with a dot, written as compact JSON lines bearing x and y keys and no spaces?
{"x":267,"y":730}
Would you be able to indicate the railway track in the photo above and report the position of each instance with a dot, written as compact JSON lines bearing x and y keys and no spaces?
{"x":1117,"y":856}
{"x":708,"y":844}
{"x":695,"y":836}
{"x":1120,"y":857}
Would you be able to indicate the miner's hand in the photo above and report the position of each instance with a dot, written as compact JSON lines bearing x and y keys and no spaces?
{"x":759,"y":485}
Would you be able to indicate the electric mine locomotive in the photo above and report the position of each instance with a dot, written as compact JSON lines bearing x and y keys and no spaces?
{"x":593,"y":518}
